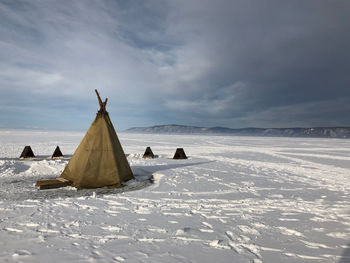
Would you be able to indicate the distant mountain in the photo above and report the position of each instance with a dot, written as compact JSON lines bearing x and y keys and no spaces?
{"x":326,"y":132}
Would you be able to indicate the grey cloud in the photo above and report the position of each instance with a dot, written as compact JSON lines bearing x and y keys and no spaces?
{"x":285,"y":53}
{"x":230,"y":63}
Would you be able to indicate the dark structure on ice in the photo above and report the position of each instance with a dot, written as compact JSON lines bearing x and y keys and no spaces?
{"x":148,"y":153}
{"x":27,"y":152}
{"x":180,"y":154}
{"x":57,"y":153}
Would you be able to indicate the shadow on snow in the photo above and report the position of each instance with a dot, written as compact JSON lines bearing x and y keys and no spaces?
{"x":20,"y":188}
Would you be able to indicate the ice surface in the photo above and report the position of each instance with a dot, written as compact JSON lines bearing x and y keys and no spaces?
{"x":236,"y":199}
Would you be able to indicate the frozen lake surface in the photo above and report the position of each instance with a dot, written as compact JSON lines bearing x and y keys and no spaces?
{"x":236,"y":199}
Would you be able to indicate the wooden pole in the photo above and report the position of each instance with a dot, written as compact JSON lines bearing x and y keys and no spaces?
{"x":102,"y":104}
{"x":99,"y":98}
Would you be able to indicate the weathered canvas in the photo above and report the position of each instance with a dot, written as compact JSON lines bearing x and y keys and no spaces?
{"x":99,"y":160}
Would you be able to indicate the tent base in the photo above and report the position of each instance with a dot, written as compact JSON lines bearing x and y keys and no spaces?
{"x":148,"y":157}
{"x":107,"y":187}
{"x":52,"y":184}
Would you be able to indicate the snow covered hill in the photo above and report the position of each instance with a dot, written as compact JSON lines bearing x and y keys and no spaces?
{"x":317,"y":132}
{"x":236,"y":199}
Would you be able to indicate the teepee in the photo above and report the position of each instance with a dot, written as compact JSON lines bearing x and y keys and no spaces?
{"x":180,"y":154}
{"x":99,"y":160}
{"x":57,"y":153}
{"x":27,"y":152}
{"x":148,"y":153}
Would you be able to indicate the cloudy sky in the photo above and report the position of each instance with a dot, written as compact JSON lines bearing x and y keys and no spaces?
{"x":233,"y":63}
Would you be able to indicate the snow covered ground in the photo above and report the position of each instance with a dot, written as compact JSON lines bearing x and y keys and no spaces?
{"x":236,"y":199}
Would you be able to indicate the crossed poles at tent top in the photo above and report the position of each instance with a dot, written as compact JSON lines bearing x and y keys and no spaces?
{"x":28,"y":153}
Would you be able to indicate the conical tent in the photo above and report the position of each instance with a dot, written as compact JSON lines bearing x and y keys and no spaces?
{"x":57,"y":153}
{"x":148,"y":153}
{"x":99,"y":160}
{"x":180,"y":154}
{"x":27,"y":152}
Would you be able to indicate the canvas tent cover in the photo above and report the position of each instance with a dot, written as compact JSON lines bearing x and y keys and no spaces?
{"x":99,"y":160}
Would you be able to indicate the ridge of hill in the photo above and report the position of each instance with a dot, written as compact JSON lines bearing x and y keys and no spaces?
{"x":326,"y":132}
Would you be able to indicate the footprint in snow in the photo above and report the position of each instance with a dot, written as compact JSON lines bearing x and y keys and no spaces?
{"x":21,"y":253}
{"x":248,"y":230}
{"x":10,"y":229}
{"x":219,"y":244}
{"x":207,"y":225}
{"x":119,"y":259}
